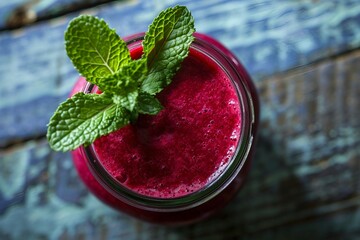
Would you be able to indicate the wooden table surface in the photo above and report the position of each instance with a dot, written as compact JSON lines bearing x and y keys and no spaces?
{"x":304,"y":57}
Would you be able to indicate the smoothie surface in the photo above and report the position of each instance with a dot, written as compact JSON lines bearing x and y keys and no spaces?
{"x":179,"y":150}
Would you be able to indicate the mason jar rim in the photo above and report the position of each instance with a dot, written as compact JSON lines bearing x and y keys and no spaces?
{"x":220,"y":182}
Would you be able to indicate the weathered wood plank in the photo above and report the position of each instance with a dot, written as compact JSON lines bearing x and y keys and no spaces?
{"x":19,"y":13}
{"x":304,"y":183}
{"x":268,"y":36}
{"x":305,"y":180}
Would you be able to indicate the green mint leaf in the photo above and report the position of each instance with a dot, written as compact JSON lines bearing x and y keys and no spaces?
{"x":95,"y":50}
{"x":134,"y":116}
{"x":126,"y":79}
{"x":148,"y":104}
{"x":124,"y":84}
{"x":137,"y":69}
{"x":128,"y":100}
{"x":166,"y":44}
{"x":83,"y":118}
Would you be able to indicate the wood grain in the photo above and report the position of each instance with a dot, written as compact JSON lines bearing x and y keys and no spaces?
{"x":266,"y":38}
{"x":303,"y":184}
{"x":20,"y":13}
{"x":304,"y":57}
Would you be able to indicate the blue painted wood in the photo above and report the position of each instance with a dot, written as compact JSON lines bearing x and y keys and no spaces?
{"x":18,"y":13}
{"x":292,"y":192}
{"x":269,"y":37}
{"x":304,"y":183}
{"x":6,"y":8}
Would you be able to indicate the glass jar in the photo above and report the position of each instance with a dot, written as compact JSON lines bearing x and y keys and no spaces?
{"x":209,"y":199}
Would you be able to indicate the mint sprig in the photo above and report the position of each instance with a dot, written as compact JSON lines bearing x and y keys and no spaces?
{"x":128,"y":87}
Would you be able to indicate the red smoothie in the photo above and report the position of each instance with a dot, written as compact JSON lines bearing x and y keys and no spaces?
{"x":179,"y":150}
{"x":189,"y":160}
